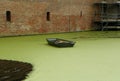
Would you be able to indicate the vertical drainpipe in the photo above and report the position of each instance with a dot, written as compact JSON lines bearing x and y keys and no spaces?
{"x":69,"y":13}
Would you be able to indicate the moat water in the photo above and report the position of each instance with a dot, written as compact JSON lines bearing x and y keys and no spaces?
{"x":95,"y":56}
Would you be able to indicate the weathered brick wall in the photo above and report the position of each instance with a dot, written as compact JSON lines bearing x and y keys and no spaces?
{"x":29,"y":16}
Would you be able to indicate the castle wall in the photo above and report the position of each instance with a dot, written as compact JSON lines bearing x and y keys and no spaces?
{"x":30,"y":16}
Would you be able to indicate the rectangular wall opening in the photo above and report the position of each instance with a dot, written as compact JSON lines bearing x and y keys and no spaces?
{"x":8,"y":16}
{"x":48,"y":16}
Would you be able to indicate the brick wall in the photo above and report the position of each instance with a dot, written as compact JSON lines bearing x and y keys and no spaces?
{"x":29,"y":16}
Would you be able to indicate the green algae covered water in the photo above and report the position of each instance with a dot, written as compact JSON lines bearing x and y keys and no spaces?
{"x":95,"y":56}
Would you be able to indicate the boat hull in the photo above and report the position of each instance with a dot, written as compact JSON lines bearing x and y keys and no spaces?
{"x":60,"y":42}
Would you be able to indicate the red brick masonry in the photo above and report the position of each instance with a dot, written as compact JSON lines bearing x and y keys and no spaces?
{"x":30,"y":16}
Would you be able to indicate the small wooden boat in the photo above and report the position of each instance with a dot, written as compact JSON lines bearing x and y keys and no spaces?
{"x":60,"y":42}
